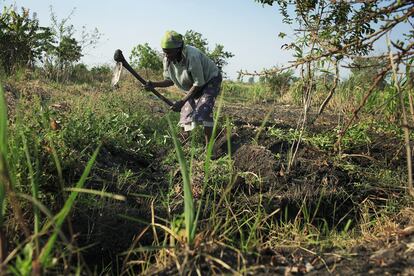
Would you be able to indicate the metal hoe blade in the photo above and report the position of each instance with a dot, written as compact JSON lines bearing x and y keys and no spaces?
{"x":116,"y":74}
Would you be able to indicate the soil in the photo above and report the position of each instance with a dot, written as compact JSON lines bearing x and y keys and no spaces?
{"x":395,"y":257}
{"x":315,"y":179}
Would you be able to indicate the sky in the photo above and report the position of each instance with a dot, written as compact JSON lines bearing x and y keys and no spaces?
{"x":244,"y":27}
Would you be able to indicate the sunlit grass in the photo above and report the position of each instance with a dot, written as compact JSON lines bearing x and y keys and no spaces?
{"x":224,"y":216}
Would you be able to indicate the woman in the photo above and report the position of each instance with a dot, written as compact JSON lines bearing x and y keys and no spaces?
{"x":194,"y":73}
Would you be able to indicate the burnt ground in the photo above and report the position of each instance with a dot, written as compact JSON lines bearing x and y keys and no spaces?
{"x":315,"y":180}
{"x":318,"y":180}
{"x":108,"y":227}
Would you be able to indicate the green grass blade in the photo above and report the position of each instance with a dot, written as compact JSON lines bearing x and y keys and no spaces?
{"x":45,"y":122}
{"x":3,"y":168}
{"x":262,"y":126}
{"x":3,"y":150}
{"x":35,"y":190}
{"x":61,"y":216}
{"x":210,"y":145}
{"x":188,"y":194}
{"x":207,"y":162}
{"x":97,"y":193}
{"x":3,"y":122}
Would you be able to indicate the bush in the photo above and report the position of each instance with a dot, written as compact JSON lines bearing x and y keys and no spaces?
{"x":98,"y":74}
{"x":278,"y":82}
{"x":22,"y":40}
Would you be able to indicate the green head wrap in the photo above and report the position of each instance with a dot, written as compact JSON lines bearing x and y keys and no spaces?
{"x":171,"y":40}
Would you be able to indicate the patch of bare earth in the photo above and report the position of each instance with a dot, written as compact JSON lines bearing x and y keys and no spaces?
{"x":315,"y":181}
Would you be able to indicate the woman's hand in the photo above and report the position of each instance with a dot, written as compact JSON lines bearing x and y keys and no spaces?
{"x":177,"y":106}
{"x":149,"y":86}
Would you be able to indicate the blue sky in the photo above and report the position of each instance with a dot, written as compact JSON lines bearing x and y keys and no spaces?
{"x":245,"y":28}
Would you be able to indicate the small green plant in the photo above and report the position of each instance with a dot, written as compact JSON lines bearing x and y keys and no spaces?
{"x":189,"y":211}
{"x":23,"y":265}
{"x":324,"y":141}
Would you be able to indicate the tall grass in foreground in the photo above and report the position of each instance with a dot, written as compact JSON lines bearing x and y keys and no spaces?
{"x":207,"y":163}
{"x":7,"y":193}
{"x":3,"y":168}
{"x":190,"y":216}
{"x":7,"y":180}
{"x":28,"y":257}
{"x":188,"y":193}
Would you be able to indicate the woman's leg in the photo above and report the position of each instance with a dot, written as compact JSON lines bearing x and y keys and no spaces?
{"x":208,"y":132}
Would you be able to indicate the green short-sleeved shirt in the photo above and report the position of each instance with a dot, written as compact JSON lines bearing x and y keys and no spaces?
{"x":195,"y":68}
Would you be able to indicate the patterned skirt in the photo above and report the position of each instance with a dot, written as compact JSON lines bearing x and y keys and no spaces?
{"x":200,"y":110}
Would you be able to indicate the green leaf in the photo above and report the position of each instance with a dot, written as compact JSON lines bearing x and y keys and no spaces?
{"x":189,"y":211}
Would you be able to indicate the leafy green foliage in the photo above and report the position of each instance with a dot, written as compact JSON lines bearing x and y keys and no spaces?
{"x":68,"y":50}
{"x":144,"y":57}
{"x":196,"y":39}
{"x":65,"y":51}
{"x":364,"y":70}
{"x":22,"y":40}
{"x":358,"y":135}
{"x":344,"y":28}
{"x":24,"y":261}
{"x":24,"y":43}
{"x":279,"y":82}
{"x":218,"y":54}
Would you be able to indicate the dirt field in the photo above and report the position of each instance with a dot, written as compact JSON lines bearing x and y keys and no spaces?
{"x":315,"y":180}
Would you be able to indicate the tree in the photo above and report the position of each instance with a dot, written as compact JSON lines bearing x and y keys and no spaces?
{"x":22,"y":40}
{"x":330,"y":31}
{"x":65,"y":51}
{"x":345,"y":28}
{"x":364,"y":70}
{"x":144,"y":57}
{"x":196,"y":39}
{"x":218,"y":55}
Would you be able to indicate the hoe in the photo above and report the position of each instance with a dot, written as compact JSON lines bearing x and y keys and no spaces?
{"x":121,"y":62}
